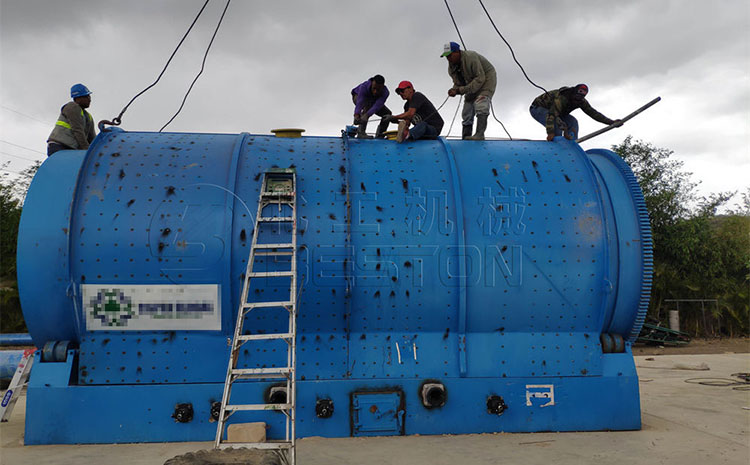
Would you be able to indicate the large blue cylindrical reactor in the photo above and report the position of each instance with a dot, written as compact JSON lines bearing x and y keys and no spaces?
{"x":517,"y":270}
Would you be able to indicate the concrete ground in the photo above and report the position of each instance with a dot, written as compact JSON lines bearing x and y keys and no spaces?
{"x":685,"y":424}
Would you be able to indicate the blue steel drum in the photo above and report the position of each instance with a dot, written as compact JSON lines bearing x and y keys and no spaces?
{"x":485,"y":271}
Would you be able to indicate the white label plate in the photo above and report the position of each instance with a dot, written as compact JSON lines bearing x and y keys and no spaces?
{"x":148,"y":307}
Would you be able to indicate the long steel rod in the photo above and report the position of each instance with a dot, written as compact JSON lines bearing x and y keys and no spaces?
{"x":623,"y":120}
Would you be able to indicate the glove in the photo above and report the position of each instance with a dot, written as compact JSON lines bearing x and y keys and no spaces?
{"x":550,"y":137}
{"x":617,"y":123}
{"x":387,"y":118}
{"x":452,"y":92}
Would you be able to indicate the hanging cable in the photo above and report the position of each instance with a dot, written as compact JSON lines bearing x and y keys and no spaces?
{"x":118,"y":119}
{"x":203,"y":65}
{"x":492,"y":109}
{"x":454,"y":24}
{"x":513,"y":54}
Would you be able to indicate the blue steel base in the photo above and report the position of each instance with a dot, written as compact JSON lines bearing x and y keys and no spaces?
{"x":58,"y":413}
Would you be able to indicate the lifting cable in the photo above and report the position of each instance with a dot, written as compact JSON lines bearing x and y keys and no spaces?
{"x":454,"y":24}
{"x":118,"y":119}
{"x":203,"y":65}
{"x":512,"y":53}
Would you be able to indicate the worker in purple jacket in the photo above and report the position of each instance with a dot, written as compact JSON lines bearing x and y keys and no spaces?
{"x":369,"y":99}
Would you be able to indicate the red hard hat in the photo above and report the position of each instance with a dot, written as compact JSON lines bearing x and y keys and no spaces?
{"x":404,"y":85}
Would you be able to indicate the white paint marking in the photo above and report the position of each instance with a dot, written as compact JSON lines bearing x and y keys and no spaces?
{"x":547,"y":391}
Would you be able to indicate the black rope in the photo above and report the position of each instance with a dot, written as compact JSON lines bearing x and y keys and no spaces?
{"x":454,"y":24}
{"x":492,"y":108}
{"x":743,"y":384}
{"x":118,"y":119}
{"x":513,"y":54}
{"x":203,"y":65}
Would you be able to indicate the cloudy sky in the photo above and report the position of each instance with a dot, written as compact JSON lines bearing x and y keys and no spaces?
{"x":293,"y":64}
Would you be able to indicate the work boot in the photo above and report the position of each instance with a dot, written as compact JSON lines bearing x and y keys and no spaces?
{"x":403,"y":130}
{"x":466,"y":133}
{"x":481,"y":126}
{"x":362,"y":131}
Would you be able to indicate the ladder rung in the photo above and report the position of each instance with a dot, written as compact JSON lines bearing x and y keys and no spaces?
{"x":283,"y":245}
{"x":260,"y":337}
{"x":237,"y":408}
{"x":257,"y":445}
{"x":276,"y":372}
{"x":267,"y":304}
{"x":273,"y":253}
{"x":278,"y":194}
{"x":270,"y":274}
{"x":276,"y":219}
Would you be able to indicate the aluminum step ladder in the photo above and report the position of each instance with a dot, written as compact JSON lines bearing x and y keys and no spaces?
{"x":277,"y":194}
{"x":16,"y":384}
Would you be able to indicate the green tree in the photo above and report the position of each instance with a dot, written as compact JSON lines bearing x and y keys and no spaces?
{"x":12,"y":192}
{"x":698,"y":254}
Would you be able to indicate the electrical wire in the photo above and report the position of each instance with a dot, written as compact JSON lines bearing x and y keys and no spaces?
{"x":513,"y":54}
{"x":21,"y":146}
{"x":18,"y":156}
{"x":25,"y":115}
{"x":118,"y":119}
{"x":454,"y":24}
{"x":203,"y":65}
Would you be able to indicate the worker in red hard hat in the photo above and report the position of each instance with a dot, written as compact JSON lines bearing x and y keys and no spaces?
{"x":552,"y":110}
{"x":419,"y":111}
{"x":74,"y":129}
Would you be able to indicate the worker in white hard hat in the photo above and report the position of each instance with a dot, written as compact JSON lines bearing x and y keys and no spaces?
{"x":74,"y":129}
{"x":475,"y":78}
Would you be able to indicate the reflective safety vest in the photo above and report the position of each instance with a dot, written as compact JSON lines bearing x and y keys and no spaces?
{"x":74,"y":127}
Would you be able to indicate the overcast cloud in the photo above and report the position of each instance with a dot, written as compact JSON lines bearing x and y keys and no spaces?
{"x":293,"y":64}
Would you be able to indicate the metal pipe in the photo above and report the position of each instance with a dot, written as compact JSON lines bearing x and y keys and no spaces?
{"x":16,"y":339}
{"x":623,"y":120}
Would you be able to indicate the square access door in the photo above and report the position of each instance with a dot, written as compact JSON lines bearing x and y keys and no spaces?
{"x":377,"y":413}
